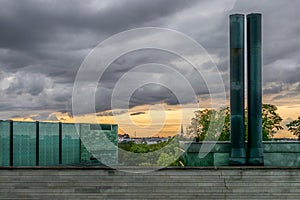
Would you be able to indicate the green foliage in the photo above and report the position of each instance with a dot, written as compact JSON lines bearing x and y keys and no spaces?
{"x":161,"y":154}
{"x":206,"y":123}
{"x":141,"y":148}
{"x":146,"y":164}
{"x":126,"y":146}
{"x":294,"y":127}
{"x":270,"y":121}
{"x":165,"y":159}
{"x":210,"y":125}
{"x":225,"y":134}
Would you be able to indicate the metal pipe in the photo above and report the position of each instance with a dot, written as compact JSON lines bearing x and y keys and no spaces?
{"x":238,"y":154}
{"x":254,"y":42}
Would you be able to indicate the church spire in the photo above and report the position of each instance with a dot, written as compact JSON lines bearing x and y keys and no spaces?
{"x":181,"y":131}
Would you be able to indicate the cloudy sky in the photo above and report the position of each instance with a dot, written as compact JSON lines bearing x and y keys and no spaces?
{"x":44,"y":43}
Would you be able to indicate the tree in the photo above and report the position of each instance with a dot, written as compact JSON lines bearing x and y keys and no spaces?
{"x":202,"y":121}
{"x":270,"y":121}
{"x":294,"y":127}
{"x":225,"y":134}
{"x":166,"y":159}
{"x":162,"y":154}
{"x":210,"y":124}
{"x":139,"y":148}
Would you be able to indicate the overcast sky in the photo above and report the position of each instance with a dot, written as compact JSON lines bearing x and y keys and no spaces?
{"x":43,"y":43}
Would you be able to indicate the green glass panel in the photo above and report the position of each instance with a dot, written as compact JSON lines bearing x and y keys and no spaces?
{"x":48,"y":144}
{"x":99,"y":143}
{"x":70,"y":144}
{"x":114,"y":128}
{"x":24,"y":144}
{"x":4,"y":143}
{"x":96,"y":127}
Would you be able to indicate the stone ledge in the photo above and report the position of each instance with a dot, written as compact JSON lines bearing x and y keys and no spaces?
{"x":153,"y":168}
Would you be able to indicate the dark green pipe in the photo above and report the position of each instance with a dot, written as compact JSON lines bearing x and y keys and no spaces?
{"x":238,"y":155}
{"x":254,"y":42}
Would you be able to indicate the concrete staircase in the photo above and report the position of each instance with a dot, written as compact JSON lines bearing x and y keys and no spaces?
{"x":169,"y":183}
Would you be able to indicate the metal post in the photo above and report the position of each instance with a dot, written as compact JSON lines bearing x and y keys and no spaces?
{"x":11,"y":145}
{"x":80,"y":145}
{"x":238,"y":154}
{"x":60,"y":142}
{"x":254,"y":41}
{"x":37,"y":143}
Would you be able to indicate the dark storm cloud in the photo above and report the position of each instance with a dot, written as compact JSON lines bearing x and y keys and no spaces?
{"x":43,"y":116}
{"x":280,"y":38}
{"x":43,"y":43}
{"x":51,"y":36}
{"x":137,"y":113}
{"x":273,"y":89}
{"x":283,"y":71}
{"x":111,"y":113}
{"x":25,"y":83}
{"x":298,"y":87}
{"x":16,"y":116}
{"x":152,"y":93}
{"x":48,"y":40}
{"x":289,"y":96}
{"x":33,"y":24}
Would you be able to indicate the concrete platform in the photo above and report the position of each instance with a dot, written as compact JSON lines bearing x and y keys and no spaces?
{"x":94,"y":182}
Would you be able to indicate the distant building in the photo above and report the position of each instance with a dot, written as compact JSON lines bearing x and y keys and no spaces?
{"x":124,"y":138}
{"x":155,"y":140}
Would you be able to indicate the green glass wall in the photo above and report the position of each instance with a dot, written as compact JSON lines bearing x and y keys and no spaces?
{"x":48,"y":144}
{"x":70,"y":144}
{"x":24,"y":144}
{"x":99,"y":142}
{"x":4,"y":143}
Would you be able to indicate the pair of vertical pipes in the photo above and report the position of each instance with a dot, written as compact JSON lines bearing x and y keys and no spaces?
{"x":254,"y":154}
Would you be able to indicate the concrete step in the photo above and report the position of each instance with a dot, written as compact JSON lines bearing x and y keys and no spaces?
{"x":208,"y":183}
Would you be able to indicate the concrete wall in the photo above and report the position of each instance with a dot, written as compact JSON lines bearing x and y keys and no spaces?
{"x":275,"y":154}
{"x":170,"y":183}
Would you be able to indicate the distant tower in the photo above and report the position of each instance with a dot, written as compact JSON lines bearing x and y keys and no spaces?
{"x":181,"y":131}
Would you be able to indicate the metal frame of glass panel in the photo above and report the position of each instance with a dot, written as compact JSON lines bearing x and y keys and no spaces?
{"x":4,"y":143}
